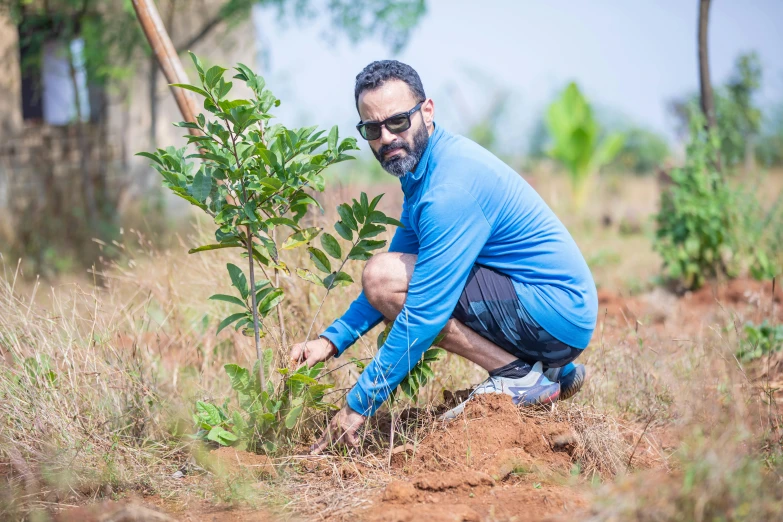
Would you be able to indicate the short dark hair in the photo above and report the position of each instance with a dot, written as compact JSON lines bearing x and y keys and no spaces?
{"x":381,"y":71}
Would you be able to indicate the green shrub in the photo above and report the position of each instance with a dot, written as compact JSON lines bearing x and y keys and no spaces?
{"x":760,"y":340}
{"x":698,"y":218}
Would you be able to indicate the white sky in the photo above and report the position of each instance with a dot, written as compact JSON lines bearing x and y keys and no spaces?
{"x":628,"y":56}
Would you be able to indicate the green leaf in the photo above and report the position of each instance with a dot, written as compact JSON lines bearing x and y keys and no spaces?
{"x":320,"y":260}
{"x":309,"y":276}
{"x":346,"y":215}
{"x":364,"y":204}
{"x":202,"y":186}
{"x":221,"y":436}
{"x":228,"y":299}
{"x":228,"y":320}
{"x":299,"y":238}
{"x":374,"y":203}
{"x":216,"y":246}
{"x":331,"y":245}
{"x":371,"y":244}
{"x":337,"y":279}
{"x":370,"y":230}
{"x":151,"y":156}
{"x":213,"y":75}
{"x":344,"y":231}
{"x":238,"y":279}
{"x":300,"y":377}
{"x":270,"y":301}
{"x":358,"y":211}
{"x":240,"y":377}
{"x":359,"y":254}
{"x":208,"y":413}
{"x":191,"y":88}
{"x":293,"y":415}
{"x":332,"y":139}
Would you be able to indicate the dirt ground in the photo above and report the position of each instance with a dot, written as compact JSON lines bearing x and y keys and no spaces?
{"x":494,"y":462}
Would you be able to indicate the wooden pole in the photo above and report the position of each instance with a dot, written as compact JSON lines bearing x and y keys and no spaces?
{"x":167,"y":57}
{"x":707,"y":99}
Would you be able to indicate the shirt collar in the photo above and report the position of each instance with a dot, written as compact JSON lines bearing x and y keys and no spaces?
{"x":410,"y":178}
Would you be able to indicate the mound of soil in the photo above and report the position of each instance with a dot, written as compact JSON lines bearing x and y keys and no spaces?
{"x":493,"y":462}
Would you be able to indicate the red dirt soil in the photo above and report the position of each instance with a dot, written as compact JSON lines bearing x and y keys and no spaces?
{"x":486,"y":465}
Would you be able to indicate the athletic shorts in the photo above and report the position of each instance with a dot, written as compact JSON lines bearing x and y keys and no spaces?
{"x":489,"y":306}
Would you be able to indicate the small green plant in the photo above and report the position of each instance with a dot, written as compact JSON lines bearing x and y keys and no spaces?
{"x":697,"y":223}
{"x":760,"y":340}
{"x":576,"y":136}
{"x":255,"y":181}
{"x":267,"y":415}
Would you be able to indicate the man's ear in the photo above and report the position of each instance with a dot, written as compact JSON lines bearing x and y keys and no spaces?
{"x":428,"y":112}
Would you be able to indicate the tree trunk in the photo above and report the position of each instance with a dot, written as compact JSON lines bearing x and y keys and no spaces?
{"x":707,"y":99}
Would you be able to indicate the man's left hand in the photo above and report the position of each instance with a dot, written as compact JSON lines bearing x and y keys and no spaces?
{"x":341,"y":431}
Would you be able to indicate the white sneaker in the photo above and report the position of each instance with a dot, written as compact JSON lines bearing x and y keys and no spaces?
{"x":532,"y":389}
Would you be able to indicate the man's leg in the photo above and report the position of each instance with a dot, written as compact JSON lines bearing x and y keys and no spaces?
{"x":385,"y":281}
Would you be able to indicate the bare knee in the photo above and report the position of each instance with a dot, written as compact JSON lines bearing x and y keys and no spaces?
{"x":384,"y":275}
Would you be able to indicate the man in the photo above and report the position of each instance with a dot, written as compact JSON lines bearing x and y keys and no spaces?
{"x":481,"y":257}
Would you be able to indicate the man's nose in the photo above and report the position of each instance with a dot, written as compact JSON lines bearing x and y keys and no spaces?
{"x":386,"y":136}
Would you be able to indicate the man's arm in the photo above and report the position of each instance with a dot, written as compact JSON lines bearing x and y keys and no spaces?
{"x":453,"y":230}
{"x":361,"y":316}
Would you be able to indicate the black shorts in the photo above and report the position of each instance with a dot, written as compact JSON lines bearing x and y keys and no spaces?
{"x":489,"y":306}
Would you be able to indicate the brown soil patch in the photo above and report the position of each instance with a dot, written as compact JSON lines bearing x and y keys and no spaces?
{"x":492,"y":463}
{"x":227,"y":460}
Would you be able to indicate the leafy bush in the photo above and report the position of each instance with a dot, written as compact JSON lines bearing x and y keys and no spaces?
{"x":268,"y":416}
{"x":575,"y":133}
{"x":255,"y":180}
{"x":698,"y":218}
{"x":760,"y":340}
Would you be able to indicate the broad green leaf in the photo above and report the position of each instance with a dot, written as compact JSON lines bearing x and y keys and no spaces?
{"x":150,"y":156}
{"x":331,"y":245}
{"x":208,"y":413}
{"x":221,"y":436}
{"x":240,"y":377}
{"x":371,"y":244}
{"x":358,"y":253}
{"x":202,"y":186}
{"x":346,"y":215}
{"x":300,"y":238}
{"x":293,"y":415}
{"x":300,"y":377}
{"x":270,"y":301}
{"x":344,"y":231}
{"x":374,"y":203}
{"x":228,"y":299}
{"x":358,"y":211}
{"x":332,"y":139}
{"x":320,"y":260}
{"x":370,"y":230}
{"x":228,"y":320}
{"x":213,"y":75}
{"x":364,"y":204}
{"x":238,"y":279}
{"x":309,"y":276}
{"x":191,"y":88}
{"x":197,"y":63}
{"x":337,"y":279}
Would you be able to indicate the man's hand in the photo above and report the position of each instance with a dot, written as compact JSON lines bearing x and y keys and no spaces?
{"x":312,"y":352}
{"x":341,"y":431}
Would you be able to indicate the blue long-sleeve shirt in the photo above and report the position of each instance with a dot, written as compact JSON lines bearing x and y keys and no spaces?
{"x":462,"y":205}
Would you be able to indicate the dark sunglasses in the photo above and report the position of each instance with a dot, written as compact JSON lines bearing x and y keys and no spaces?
{"x":371,"y":130}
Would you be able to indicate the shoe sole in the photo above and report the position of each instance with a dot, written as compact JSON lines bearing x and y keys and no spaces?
{"x":542,"y":400}
{"x":566,"y":392}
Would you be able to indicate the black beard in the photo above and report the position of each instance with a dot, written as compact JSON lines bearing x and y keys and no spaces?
{"x":401,"y":164}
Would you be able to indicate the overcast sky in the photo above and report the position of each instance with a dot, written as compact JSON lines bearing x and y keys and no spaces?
{"x":628,"y":56}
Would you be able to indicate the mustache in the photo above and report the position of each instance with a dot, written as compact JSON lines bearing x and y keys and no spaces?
{"x":395,"y":145}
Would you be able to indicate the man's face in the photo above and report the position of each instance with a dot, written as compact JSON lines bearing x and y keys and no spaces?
{"x":397,"y":153}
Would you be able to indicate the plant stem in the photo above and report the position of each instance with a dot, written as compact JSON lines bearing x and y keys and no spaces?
{"x":259,"y":355}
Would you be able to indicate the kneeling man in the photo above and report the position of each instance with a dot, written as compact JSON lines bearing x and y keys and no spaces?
{"x":481,"y":258}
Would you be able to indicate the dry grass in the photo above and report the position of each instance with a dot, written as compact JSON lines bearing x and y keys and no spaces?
{"x":133,"y":354}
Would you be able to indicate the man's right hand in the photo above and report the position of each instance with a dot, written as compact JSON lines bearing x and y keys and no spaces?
{"x":312,"y":352}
